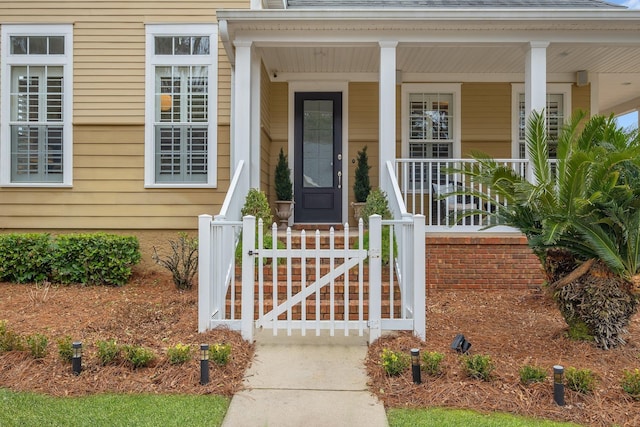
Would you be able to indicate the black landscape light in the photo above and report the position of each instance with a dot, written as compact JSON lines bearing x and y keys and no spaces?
{"x":415,"y":365}
{"x":204,"y":364}
{"x":558,"y":385}
{"x":460,"y":344}
{"x":76,"y":361}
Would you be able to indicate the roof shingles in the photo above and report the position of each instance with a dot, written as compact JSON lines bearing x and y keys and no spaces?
{"x":451,"y":4}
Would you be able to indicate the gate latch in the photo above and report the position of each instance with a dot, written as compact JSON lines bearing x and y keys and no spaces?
{"x":252,"y":253}
{"x":374,"y":253}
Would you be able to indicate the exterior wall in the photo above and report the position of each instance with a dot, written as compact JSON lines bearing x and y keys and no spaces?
{"x":486,"y":119}
{"x":497,"y":262}
{"x":278,"y":105}
{"x":108,"y":125}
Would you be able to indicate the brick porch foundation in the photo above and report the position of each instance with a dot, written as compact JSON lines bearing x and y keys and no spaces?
{"x":491,"y":262}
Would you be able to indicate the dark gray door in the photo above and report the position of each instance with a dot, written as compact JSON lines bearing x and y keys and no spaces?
{"x":318,"y":157}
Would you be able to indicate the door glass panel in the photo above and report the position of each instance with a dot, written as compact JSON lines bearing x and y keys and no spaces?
{"x":317,"y":137}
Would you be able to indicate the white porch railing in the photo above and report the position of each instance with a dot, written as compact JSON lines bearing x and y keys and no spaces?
{"x":425,"y":183}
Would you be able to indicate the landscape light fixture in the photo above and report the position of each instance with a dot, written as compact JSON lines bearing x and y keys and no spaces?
{"x":76,"y":360}
{"x":415,"y":365}
{"x":204,"y":364}
{"x":558,"y":385}
{"x":460,"y":344}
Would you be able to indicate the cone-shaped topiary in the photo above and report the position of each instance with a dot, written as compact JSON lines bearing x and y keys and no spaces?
{"x":284,"y":190}
{"x":362,"y":186}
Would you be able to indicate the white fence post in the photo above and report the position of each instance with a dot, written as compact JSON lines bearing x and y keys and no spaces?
{"x":419,"y":284}
{"x":248,"y":275}
{"x":375,"y":277}
{"x":204,"y":273}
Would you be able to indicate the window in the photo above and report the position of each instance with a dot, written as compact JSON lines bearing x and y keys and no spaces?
{"x":36,"y":127}
{"x":431,"y":122}
{"x":557,"y":110}
{"x":181,"y":105}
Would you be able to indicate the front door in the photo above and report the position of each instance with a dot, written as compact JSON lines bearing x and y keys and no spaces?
{"x":318,"y":157}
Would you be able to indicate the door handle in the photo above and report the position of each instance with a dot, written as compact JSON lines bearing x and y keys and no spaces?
{"x":339,"y":179}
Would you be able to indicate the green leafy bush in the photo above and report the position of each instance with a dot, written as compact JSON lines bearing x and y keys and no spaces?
{"x":183,"y":262}
{"x":65,"y":348}
{"x":394,"y":362}
{"x":94,"y":259}
{"x":631,"y":383}
{"x":37,"y":344}
{"x":138,"y":356}
{"x":9,"y":340}
{"x":478,"y":366}
{"x":220,"y":354}
{"x":257,"y":205}
{"x":108,"y":351}
{"x":432,"y":362}
{"x":179,"y":353}
{"x":377,"y":204}
{"x":25,"y":257}
{"x":532,"y":374}
{"x":580,"y":380}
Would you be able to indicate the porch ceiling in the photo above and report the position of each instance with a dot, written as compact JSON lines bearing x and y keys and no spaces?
{"x":617,"y":67}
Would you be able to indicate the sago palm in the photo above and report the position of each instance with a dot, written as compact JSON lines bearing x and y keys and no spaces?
{"x":580,"y":213}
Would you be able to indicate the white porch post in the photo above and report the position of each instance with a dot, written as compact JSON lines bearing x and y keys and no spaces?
{"x":254,"y":166}
{"x":387,"y":110}
{"x":241,"y":144}
{"x":535,"y":83}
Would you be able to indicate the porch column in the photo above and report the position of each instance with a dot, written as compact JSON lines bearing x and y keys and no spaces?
{"x":535,"y":83}
{"x":241,"y":142}
{"x":387,"y":111}
{"x":254,"y":166}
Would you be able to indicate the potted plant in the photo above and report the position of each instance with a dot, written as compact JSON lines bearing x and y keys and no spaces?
{"x":284,"y":190}
{"x":361,"y":185}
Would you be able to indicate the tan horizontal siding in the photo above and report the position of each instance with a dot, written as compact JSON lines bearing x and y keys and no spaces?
{"x":102,"y":223}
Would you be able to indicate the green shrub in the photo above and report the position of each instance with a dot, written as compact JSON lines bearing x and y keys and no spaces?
{"x":631,"y":383}
{"x":377,"y":204}
{"x":362,"y":184}
{"x":108,"y":351}
{"x":220,"y":354}
{"x":478,"y":366}
{"x":95,"y":259}
{"x":532,"y":374}
{"x":580,"y":380}
{"x":432,"y":362}
{"x":283,"y":185}
{"x":138,"y":356}
{"x":394,"y":362}
{"x":183,"y":262}
{"x":65,"y":348}
{"x":9,"y":340}
{"x":37,"y":344}
{"x":257,"y":205}
{"x":25,"y":257}
{"x":179,"y":353}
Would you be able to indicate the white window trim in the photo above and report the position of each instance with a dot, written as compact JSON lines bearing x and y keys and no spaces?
{"x":517,"y":89}
{"x":453,"y":88}
{"x":211,"y":61}
{"x":8,"y":60}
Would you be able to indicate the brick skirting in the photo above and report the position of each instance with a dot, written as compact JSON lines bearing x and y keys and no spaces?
{"x":491,"y":262}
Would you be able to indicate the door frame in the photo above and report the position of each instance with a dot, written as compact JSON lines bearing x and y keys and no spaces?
{"x":342,"y":87}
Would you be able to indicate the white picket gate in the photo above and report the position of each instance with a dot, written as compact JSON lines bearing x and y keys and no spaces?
{"x":314,"y":299}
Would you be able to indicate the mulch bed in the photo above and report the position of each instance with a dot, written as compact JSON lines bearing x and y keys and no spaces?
{"x":148,"y":312}
{"x":515,"y":328}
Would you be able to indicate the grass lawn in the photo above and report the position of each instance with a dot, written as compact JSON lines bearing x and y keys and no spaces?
{"x":462,"y":418}
{"x":30,"y":409}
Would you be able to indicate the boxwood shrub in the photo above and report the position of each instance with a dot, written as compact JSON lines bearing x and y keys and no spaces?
{"x":25,"y":258}
{"x":90,"y":259}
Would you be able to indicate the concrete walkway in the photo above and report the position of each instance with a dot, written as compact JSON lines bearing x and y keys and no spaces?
{"x":306,"y":381}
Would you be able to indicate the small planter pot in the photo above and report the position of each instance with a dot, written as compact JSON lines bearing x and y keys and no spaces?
{"x":357,"y":211}
{"x":284,"y":209}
